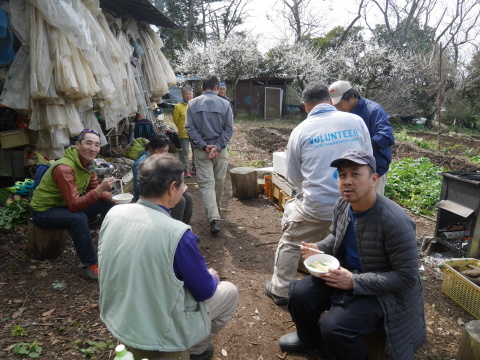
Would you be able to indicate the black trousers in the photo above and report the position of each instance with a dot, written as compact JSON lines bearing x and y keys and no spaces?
{"x":341,"y":329}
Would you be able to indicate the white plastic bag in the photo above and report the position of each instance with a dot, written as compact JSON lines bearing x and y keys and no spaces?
{"x":60,"y":14}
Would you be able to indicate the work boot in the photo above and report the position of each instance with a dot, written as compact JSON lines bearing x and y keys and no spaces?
{"x":215,"y":227}
{"x":89,"y":272}
{"x":207,"y":354}
{"x":278,"y":300}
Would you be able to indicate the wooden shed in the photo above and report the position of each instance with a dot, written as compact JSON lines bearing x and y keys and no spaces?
{"x":251,"y":94}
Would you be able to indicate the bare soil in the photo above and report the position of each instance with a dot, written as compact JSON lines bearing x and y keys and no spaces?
{"x":65,"y":321}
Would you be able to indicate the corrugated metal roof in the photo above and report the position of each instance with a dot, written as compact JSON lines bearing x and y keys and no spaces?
{"x":140,"y":10}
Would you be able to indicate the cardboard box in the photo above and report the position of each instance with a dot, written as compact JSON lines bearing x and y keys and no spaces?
{"x":17,"y":138}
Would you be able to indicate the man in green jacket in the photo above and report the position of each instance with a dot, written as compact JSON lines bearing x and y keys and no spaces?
{"x":69,"y":193}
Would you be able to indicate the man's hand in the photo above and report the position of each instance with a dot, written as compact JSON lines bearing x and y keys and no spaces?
{"x":340,"y":278}
{"x":212,"y":151}
{"x":214,"y":272}
{"x":106,"y":185}
{"x":305,"y":248}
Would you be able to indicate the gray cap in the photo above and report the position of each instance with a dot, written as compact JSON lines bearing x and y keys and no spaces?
{"x":357,"y":156}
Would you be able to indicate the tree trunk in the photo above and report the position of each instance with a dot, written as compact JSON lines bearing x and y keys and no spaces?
{"x":469,"y":348}
{"x":190,"y":29}
{"x":244,"y":182}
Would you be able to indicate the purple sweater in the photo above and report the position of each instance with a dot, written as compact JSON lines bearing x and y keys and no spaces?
{"x":190,"y":267}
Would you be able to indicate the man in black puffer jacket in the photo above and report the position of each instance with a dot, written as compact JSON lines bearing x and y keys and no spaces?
{"x":377,"y":283}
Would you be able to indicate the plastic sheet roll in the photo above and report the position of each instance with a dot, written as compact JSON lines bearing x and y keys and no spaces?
{"x":41,"y":65}
{"x":61,"y":14}
{"x":167,"y":69}
{"x":16,"y":91}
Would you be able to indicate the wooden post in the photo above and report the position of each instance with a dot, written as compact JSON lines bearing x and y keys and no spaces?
{"x":244,"y":182}
{"x":469,"y":348}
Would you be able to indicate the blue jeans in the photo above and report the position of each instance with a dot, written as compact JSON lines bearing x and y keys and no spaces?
{"x":76,"y":223}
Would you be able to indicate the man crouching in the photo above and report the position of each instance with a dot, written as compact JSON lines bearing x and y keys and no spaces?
{"x":378,"y":283}
{"x":157,"y":295}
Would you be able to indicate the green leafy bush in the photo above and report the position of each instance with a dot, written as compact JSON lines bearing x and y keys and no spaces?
{"x":415,"y":184}
{"x":475,"y":159}
{"x":90,"y":348}
{"x":18,"y":331}
{"x":14,"y":213}
{"x":31,"y":349}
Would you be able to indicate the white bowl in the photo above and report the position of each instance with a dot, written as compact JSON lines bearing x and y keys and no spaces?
{"x":122,"y":198}
{"x":332,"y":263}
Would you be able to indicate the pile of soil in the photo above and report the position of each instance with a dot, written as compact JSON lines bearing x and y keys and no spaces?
{"x":59,"y":310}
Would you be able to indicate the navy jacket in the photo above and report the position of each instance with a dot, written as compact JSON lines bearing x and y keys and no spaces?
{"x":381,"y":132}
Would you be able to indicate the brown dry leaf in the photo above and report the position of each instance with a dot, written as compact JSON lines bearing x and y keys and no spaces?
{"x":429,"y":330}
{"x":94,"y":306}
{"x":10,"y":347}
{"x":224,"y":352}
{"x":55,"y":341}
{"x":18,"y":313}
{"x":48,"y":313}
{"x":2,"y":283}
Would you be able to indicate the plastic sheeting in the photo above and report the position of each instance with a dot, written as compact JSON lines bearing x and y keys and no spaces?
{"x":16,"y":91}
{"x":75,"y":59}
{"x":156,"y":77}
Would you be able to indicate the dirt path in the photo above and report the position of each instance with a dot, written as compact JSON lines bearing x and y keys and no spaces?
{"x":64,"y":322}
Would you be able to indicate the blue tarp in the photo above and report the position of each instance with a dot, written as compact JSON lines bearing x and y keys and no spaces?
{"x":7,"y":52}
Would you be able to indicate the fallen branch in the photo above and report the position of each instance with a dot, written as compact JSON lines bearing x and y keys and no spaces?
{"x":268,"y":243}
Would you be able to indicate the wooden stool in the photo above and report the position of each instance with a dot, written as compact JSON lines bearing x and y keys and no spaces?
{"x":244,"y":182}
{"x":375,"y":344}
{"x":45,"y":243}
{"x":154,"y":355}
{"x":469,"y":348}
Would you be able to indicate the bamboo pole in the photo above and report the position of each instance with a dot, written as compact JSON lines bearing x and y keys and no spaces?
{"x":440,"y":94}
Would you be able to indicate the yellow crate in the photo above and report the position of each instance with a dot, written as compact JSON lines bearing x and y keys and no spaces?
{"x":284,"y":197}
{"x":16,"y":138}
{"x":268,"y":187}
{"x":457,"y":287}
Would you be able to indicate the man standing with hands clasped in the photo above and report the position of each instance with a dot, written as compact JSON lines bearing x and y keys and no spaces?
{"x":377,"y":283}
{"x":210,"y":127}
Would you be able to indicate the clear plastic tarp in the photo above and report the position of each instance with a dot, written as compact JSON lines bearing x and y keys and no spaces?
{"x":74,"y":59}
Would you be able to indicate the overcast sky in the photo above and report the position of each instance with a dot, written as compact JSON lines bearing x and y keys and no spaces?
{"x":258,"y":23}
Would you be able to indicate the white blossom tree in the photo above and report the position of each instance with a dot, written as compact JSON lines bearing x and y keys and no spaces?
{"x":230,"y":59}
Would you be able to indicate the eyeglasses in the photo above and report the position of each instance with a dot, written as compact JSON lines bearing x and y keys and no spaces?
{"x":90,"y":131}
